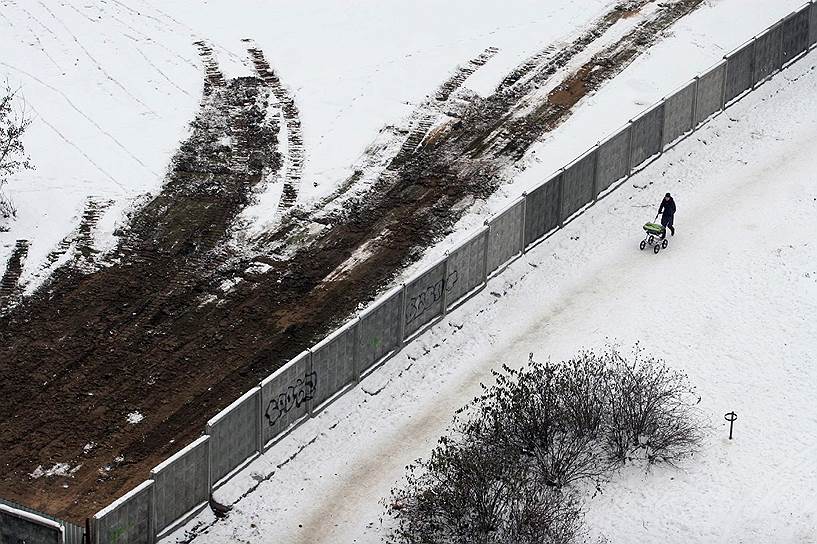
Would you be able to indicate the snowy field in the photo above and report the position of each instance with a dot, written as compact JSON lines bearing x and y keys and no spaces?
{"x":731,"y":302}
{"x":112,"y":86}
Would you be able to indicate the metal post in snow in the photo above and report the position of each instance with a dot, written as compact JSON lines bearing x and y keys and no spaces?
{"x":731,"y":417}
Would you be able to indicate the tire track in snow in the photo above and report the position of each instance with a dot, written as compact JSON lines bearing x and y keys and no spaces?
{"x":98,"y":64}
{"x":423,"y":119}
{"x":9,"y":284}
{"x":295,"y":155}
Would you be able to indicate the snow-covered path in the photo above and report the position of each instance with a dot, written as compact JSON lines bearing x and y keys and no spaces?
{"x":731,"y":302}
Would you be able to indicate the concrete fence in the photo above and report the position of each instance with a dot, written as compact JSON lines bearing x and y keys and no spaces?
{"x":181,"y":486}
{"x":19,"y":523}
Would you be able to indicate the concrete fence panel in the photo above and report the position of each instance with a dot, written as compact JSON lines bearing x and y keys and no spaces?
{"x":286,"y":397}
{"x":128,"y":520}
{"x":578,"y":182}
{"x":678,"y":111}
{"x":740,"y":66}
{"x":234,"y":435}
{"x":543,"y":209}
{"x":812,"y":25}
{"x":709,"y":96}
{"x":768,"y":53}
{"x":18,"y":526}
{"x":333,"y":362}
{"x":796,"y":34}
{"x":378,"y":330}
{"x":647,"y":136}
{"x":505,"y":238}
{"x":424,"y":298}
{"x":466,"y":268}
{"x":181,"y":484}
{"x":613,"y":162}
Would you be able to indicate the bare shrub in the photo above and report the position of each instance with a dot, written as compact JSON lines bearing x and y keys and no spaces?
{"x":473,"y":490}
{"x":547,"y":413}
{"x":505,"y":472}
{"x":650,"y":410}
{"x":13,"y":123}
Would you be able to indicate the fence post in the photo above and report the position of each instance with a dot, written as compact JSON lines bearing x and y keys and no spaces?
{"x":561,"y":177}
{"x":723,"y":84}
{"x":596,"y":172}
{"x":524,"y":221}
{"x":630,"y":126}
{"x":259,"y":418}
{"x":694,"y":125}
{"x":444,"y":295}
{"x":355,"y":350}
{"x":663,"y":107}
{"x":402,"y":325}
{"x":485,"y":253}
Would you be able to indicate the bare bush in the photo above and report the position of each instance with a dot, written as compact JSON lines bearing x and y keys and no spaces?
{"x":14,"y":121}
{"x":547,"y":414}
{"x":505,"y":473}
{"x":473,"y":490}
{"x":650,"y":410}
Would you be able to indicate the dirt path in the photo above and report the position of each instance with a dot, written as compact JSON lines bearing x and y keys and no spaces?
{"x":175,"y":327}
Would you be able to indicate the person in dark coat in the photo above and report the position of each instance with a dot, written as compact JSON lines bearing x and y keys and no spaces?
{"x":667,"y":212}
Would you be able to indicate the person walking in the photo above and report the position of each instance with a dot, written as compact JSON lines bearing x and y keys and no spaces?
{"x":667,"y":212}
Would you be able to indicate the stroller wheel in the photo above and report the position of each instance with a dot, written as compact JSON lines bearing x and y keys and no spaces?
{"x":651,"y":239}
{"x":643,"y":244}
{"x":664,"y":244}
{"x":656,"y":249}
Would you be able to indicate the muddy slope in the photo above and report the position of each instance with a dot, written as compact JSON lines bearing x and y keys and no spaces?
{"x":155,"y":332}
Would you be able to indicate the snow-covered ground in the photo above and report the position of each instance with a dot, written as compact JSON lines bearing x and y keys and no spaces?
{"x":113,"y":84}
{"x":731,"y":302}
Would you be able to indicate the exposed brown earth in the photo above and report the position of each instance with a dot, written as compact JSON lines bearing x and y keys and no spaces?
{"x":154,"y":331}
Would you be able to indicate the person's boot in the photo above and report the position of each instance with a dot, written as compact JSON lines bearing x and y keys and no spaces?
{"x":672,"y":231}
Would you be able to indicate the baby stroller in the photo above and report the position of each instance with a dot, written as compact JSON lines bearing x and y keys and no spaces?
{"x":655,"y":237}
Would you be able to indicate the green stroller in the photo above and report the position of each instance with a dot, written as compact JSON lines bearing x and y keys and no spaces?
{"x":655,"y":237}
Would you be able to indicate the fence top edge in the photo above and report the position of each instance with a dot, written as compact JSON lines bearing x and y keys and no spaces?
{"x":711,"y":69}
{"x":678,"y":90}
{"x":740,"y":48}
{"x":650,"y":109}
{"x":474,"y":235}
{"x":179,"y":454}
{"x":614,"y":134}
{"x":335,"y":334}
{"x":292,"y":362}
{"x":577,"y":160}
{"x":379,"y":301}
{"x":233,"y":405}
{"x":480,"y":231}
{"x":40,"y":520}
{"x":121,"y":500}
{"x":418,"y":275}
{"x":502,"y":211}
